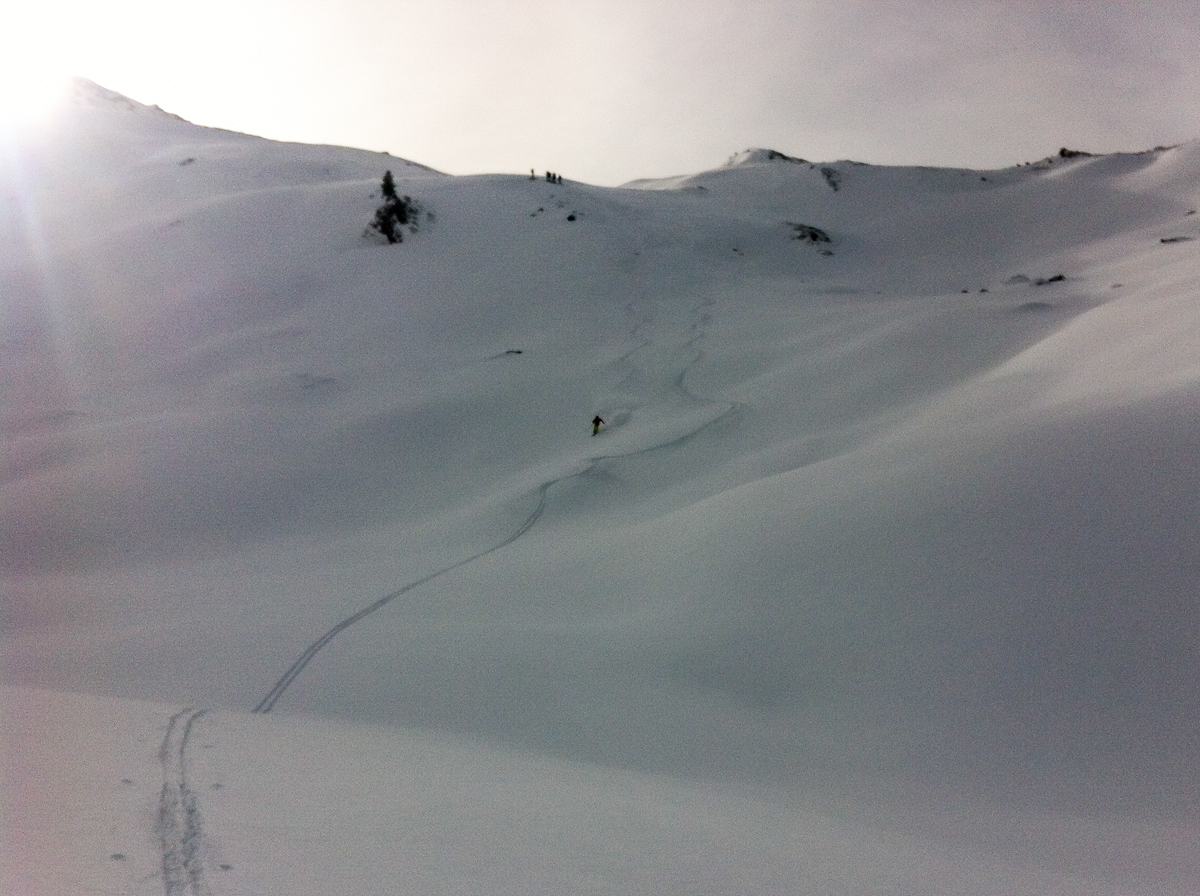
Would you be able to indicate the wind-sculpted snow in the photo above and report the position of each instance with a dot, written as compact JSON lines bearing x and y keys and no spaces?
{"x":897,"y":526}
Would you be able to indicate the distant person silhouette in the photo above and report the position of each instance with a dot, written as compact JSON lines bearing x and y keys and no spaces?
{"x":597,"y":422}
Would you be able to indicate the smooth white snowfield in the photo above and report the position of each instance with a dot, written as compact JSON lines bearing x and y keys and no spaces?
{"x":881,"y":577}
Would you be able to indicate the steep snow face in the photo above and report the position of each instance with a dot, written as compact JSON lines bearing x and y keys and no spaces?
{"x":892,"y":506}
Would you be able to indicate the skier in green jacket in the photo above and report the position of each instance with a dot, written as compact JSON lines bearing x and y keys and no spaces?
{"x":597,"y":422}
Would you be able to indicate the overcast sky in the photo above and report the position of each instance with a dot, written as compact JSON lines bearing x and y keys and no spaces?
{"x":613,"y":90}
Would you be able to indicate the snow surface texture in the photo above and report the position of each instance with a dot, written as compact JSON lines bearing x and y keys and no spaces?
{"x":881,"y":577}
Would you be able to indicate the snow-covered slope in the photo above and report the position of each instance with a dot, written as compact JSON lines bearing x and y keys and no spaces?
{"x":879,"y":578}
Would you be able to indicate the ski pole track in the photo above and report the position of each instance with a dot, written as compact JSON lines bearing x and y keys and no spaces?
{"x":268,"y":702}
{"x":179,"y":825}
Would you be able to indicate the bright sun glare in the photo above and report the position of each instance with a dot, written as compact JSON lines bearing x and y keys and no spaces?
{"x":27,"y":94}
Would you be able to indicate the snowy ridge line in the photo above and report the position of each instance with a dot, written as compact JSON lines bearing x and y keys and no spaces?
{"x":179,"y":828}
{"x":268,"y":702}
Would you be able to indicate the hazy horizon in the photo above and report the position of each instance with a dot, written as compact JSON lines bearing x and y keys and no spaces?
{"x":608,"y":93}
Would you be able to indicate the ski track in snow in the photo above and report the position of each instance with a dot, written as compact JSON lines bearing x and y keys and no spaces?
{"x":179,"y":827}
{"x":268,"y":702}
{"x":696,"y":330}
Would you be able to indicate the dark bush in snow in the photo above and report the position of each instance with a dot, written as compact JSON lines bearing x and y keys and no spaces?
{"x":396,"y":212}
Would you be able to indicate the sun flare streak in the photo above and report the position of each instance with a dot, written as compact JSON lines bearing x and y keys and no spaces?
{"x":28,"y":94}
{"x":34,"y":310}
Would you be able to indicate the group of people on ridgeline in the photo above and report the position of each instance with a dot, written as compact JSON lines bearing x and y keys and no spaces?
{"x":551,"y":177}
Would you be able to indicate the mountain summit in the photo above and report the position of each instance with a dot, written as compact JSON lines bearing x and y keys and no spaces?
{"x":82,"y":92}
{"x":754,"y":156}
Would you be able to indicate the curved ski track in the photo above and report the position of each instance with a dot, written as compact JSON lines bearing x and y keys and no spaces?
{"x":696,"y":331}
{"x":268,"y":702}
